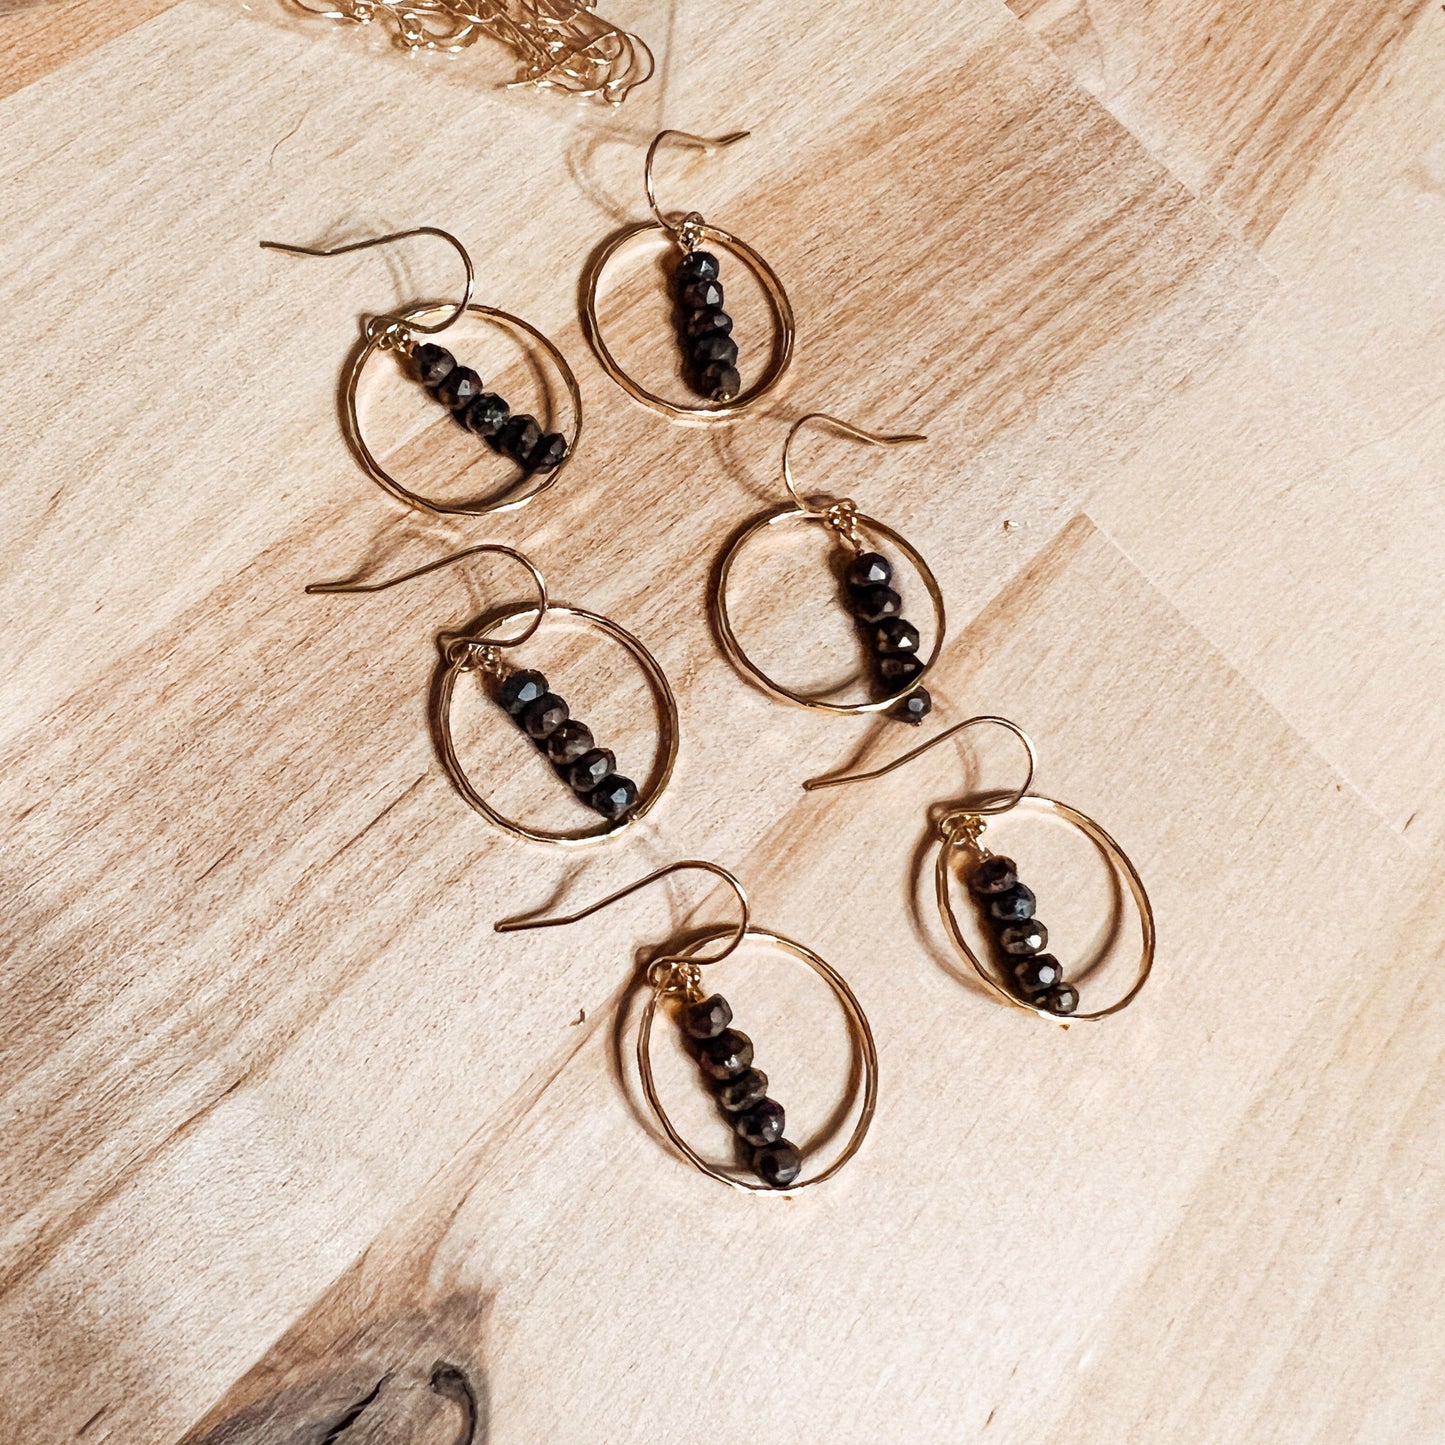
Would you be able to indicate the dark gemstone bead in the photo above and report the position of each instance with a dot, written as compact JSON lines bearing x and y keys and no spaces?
{"x":549,"y":453}
{"x":742,"y":1092}
{"x":542,"y":718}
{"x":433,"y":363}
{"x":727,"y":1055}
{"x":1014,"y":906}
{"x":487,"y":414}
{"x":698,"y":266}
{"x":520,"y":689}
{"x":569,"y":742}
{"x":1037,"y":974}
{"x":762,"y":1124}
{"x":591,"y":769}
{"x":895,"y":637}
{"x":718,"y":382}
{"x":713,"y":350}
{"x":709,"y":323}
{"x":701,"y":295}
{"x":994,"y":875}
{"x":707,"y":1018}
{"x":518,"y":438}
{"x":614,"y":798}
{"x":870,"y":569}
{"x":897,"y":672}
{"x":459,"y":388}
{"x":778,"y":1165}
{"x":875,"y":604}
{"x":1023,"y":938}
{"x":914,"y":708}
{"x":1062,"y":1000}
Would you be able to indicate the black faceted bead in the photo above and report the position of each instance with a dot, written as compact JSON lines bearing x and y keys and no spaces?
{"x":895,"y":637}
{"x":742,"y":1092}
{"x":569,"y":742}
{"x":914,"y":708}
{"x":518,"y":438}
{"x":433,"y":363}
{"x":697,"y":266}
{"x":520,"y":689}
{"x":778,"y":1165}
{"x":591,"y":769}
{"x":875,"y":604}
{"x":1021,"y":938}
{"x":1037,"y":974}
{"x":542,"y":718}
{"x":762,"y":1124}
{"x":709,"y":323}
{"x":707,"y":1018}
{"x":487,"y":414}
{"x":727,"y":1055}
{"x":614,"y":798}
{"x":716,"y":349}
{"x":994,"y":875}
{"x":897,"y":672}
{"x":548,"y":454}
{"x":1014,"y":906}
{"x":700,"y":295}
{"x":870,"y":569}
{"x":719,"y":382}
{"x":459,"y":388}
{"x":1062,"y":1000}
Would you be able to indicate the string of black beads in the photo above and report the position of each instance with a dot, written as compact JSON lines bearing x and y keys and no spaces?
{"x":892,"y":640}
{"x":705,"y":329}
{"x":1036,"y":977}
{"x":459,"y":389}
{"x":590,"y":771}
{"x":725,"y":1057}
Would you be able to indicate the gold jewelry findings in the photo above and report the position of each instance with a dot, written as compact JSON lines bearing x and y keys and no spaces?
{"x":705,"y":330}
{"x":892,"y":641}
{"x":589,"y":770}
{"x":460,"y":390}
{"x":1021,"y":973}
{"x":723,"y":1054}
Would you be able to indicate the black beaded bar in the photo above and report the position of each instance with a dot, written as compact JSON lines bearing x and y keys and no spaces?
{"x":892,"y":640}
{"x":725,"y":1057}
{"x":588,"y":770}
{"x":1008,"y":906}
{"x":460,"y":390}
{"x":704,"y":329}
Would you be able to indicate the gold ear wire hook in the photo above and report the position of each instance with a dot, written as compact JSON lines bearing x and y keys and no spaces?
{"x":328,"y":588}
{"x":982,"y":811}
{"x":882,"y":439}
{"x":392,"y":318}
{"x":521,"y":924}
{"x":702,"y":142}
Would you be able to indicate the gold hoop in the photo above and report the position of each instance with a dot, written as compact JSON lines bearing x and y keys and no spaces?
{"x":859,"y":1034}
{"x":784,"y":329}
{"x":954,"y":839}
{"x":383,"y":338}
{"x":457,"y":660}
{"x":727,"y":637}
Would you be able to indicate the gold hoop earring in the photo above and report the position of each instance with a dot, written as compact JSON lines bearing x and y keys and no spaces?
{"x":519,"y":438}
{"x":1022,"y":974}
{"x":724,"y":1055}
{"x":523,"y":693}
{"x":892,"y":641}
{"x":704,"y":327}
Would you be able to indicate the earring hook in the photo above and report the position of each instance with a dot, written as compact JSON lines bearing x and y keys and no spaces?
{"x":391,"y":318}
{"x":882,"y":439}
{"x":521,"y":924}
{"x":700,"y":142}
{"x":317,"y":589}
{"x":813,"y":784}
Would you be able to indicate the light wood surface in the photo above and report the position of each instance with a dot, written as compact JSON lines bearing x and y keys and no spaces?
{"x":286,"y":1119}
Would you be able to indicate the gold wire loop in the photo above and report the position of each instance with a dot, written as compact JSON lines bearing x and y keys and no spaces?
{"x":699,"y":142}
{"x":880,"y":439}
